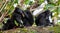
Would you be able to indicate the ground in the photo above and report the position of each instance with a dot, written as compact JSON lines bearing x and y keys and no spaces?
{"x":30,"y":30}
{"x":34,"y":29}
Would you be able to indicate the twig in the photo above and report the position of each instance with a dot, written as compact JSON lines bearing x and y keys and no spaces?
{"x":2,"y":17}
{"x":4,"y":14}
{"x":3,"y":6}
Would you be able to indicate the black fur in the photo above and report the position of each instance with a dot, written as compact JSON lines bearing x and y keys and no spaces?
{"x":24,"y":18}
{"x":28,"y":19}
{"x":43,"y":18}
{"x":9,"y":25}
{"x":16,"y":16}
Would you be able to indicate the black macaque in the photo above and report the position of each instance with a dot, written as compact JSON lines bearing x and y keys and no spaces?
{"x":43,"y":18}
{"x":16,"y":15}
{"x":23,"y":18}
{"x":28,"y":19}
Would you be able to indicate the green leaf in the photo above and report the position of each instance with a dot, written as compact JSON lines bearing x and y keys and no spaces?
{"x":0,"y":0}
{"x":16,"y":23}
{"x":49,"y":6}
{"x":41,"y":1}
{"x":59,"y":10}
{"x":16,"y":1}
{"x":10,"y":11}
{"x":30,"y":3}
{"x":26,"y":2}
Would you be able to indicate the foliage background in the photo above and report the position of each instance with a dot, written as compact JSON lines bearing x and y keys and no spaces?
{"x":53,"y":5}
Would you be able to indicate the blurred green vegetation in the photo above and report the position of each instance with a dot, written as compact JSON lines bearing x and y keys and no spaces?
{"x":52,"y":5}
{"x":56,"y":29}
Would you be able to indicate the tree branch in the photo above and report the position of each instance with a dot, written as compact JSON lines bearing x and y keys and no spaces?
{"x":3,"y":6}
{"x":5,"y":13}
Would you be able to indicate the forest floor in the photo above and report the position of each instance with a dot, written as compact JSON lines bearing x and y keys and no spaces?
{"x":34,"y":29}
